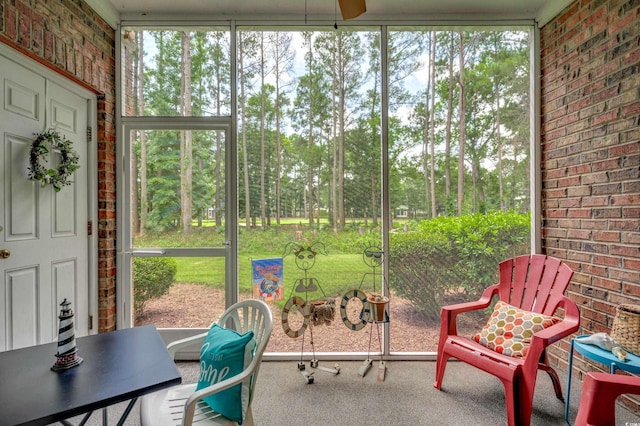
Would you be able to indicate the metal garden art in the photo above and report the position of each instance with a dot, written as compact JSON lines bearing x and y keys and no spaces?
{"x":374,"y":305}
{"x":315,"y":312}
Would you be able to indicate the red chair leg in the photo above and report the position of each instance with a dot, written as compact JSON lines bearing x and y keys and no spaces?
{"x":554,"y":379}
{"x":441,"y":365}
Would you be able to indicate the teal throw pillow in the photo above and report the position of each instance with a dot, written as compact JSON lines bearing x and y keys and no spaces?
{"x":226,"y":353}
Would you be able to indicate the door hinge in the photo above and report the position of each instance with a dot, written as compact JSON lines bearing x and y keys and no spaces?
{"x":89,"y":133}
{"x":89,"y":228}
{"x":90,"y":322}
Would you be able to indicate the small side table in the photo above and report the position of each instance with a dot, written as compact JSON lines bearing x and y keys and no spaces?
{"x":631,"y":365}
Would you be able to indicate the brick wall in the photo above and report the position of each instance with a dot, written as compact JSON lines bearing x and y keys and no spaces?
{"x":71,"y":39}
{"x":590,"y":65}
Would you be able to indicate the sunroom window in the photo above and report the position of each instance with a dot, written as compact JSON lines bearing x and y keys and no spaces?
{"x":323,"y":166}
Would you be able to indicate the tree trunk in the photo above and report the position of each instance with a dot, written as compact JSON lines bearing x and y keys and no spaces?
{"x":462,"y":126}
{"x":334,"y":167}
{"x":503,"y":205}
{"x":447,"y":147}
{"x":245,"y":154}
{"x":263,"y":199}
{"x":186,"y":148}
{"x":341,"y":129}
{"x":278,"y":141}
{"x":432,"y":121}
{"x":310,"y":118}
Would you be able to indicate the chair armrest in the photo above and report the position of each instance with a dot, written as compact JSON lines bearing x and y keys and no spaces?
{"x":174,"y":347}
{"x":569,"y":324}
{"x":449,"y":313}
{"x":481,"y":303}
{"x":543,"y":338}
{"x":190,"y":405}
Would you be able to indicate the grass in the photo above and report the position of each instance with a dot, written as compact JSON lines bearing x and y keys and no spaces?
{"x":334,"y":273}
{"x":341,"y":269}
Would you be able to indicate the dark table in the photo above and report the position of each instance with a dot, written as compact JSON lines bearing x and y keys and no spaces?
{"x":118,"y":366}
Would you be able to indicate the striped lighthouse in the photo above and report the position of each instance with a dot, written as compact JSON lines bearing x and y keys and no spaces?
{"x":67,"y":356}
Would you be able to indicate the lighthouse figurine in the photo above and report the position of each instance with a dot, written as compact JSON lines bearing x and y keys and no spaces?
{"x":67,"y":356}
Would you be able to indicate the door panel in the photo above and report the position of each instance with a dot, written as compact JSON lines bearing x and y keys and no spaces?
{"x":20,"y":204}
{"x":21,"y":320}
{"x":44,"y":231}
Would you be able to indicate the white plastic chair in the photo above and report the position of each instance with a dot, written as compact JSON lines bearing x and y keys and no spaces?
{"x":182,"y":405}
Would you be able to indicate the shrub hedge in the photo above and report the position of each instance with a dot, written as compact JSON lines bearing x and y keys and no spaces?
{"x":152,"y":278}
{"x":449,"y":259}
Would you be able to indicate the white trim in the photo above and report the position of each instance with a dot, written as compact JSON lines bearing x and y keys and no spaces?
{"x":232,"y":284}
{"x":124,"y":314}
{"x":387,"y":215}
{"x":106,"y":11}
{"x":550,"y":10}
{"x":547,"y":12}
{"x":297,"y":22}
{"x":535,"y":148}
{"x":125,"y":251}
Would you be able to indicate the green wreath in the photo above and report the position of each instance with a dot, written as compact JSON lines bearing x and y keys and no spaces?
{"x":51,"y":141}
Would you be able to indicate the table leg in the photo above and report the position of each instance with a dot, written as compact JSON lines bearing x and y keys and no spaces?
{"x":567,"y":402}
{"x":82,"y":422}
{"x":126,"y":412}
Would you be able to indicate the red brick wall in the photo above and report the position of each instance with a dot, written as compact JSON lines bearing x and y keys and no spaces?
{"x":70,"y":38}
{"x":590,"y":65}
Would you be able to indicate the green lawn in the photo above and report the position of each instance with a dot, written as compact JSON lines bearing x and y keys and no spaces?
{"x":335,"y":273}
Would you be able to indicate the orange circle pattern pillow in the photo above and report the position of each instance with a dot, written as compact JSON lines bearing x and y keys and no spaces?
{"x":509,"y":329}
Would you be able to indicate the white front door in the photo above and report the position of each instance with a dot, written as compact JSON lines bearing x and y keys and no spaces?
{"x":43,"y":234}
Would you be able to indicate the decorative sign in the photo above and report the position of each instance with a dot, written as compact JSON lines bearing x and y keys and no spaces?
{"x":267,"y":279}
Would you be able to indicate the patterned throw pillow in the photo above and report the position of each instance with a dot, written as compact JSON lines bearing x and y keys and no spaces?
{"x":224,"y":354}
{"x":509,"y":329}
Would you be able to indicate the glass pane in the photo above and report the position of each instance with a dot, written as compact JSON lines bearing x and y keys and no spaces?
{"x":459,"y":172}
{"x":176,"y":72}
{"x":178,"y":292}
{"x":310,"y":182}
{"x":179,"y":198}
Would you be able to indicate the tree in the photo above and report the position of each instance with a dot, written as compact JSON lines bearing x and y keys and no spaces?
{"x":339,"y":52}
{"x":432,"y":119}
{"x":315,"y":148}
{"x":246,"y":67}
{"x":461,"y":123}
{"x":283,"y":57}
{"x":186,"y":145}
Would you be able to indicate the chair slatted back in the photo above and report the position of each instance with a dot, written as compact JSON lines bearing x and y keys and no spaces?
{"x":249,"y":315}
{"x":534,"y":282}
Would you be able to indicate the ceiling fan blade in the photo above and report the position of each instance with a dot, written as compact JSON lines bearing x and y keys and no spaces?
{"x":352,"y":8}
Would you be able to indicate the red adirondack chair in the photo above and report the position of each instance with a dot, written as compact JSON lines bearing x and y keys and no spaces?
{"x":534,"y":283}
{"x":599,"y":393}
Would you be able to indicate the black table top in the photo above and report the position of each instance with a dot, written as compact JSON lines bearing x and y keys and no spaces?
{"x":116,"y":367}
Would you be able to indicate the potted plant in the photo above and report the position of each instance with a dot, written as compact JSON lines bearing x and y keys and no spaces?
{"x":378,"y":304}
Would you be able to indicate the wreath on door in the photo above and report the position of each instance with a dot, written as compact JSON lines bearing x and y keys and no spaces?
{"x":52,"y":141}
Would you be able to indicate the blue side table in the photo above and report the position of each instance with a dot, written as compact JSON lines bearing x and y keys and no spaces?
{"x":631,"y":364}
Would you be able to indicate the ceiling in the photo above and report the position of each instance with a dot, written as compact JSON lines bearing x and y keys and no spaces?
{"x":113,"y":11}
